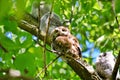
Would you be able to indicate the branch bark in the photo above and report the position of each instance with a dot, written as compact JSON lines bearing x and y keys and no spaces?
{"x":116,"y":67}
{"x":85,"y":71}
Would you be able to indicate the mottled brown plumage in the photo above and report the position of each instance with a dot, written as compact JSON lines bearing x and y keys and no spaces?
{"x":65,"y":43}
{"x":59,"y":31}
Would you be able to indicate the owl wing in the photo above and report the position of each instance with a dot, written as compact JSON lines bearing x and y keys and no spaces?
{"x":79,"y":50}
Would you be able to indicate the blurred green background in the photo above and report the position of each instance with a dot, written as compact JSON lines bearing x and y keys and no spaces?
{"x":93,"y":23}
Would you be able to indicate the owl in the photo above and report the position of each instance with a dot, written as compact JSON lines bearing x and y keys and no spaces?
{"x":66,"y":43}
{"x":105,"y":63}
{"x":54,"y":22}
{"x":59,"y":31}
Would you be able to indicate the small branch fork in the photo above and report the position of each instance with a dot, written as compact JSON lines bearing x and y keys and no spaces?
{"x":4,"y":49}
{"x":45,"y":38}
{"x":80,"y":69}
{"x":116,"y":67}
{"x":48,"y":65}
{"x":44,"y":49}
{"x":116,"y":18}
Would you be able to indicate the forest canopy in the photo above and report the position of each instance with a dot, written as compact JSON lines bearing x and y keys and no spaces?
{"x":95,"y":23}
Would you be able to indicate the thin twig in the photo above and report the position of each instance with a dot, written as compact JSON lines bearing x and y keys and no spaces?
{"x":48,"y":65}
{"x":116,"y":67}
{"x":113,"y":9}
{"x":44,"y":49}
{"x":71,"y":16}
{"x":4,"y":49}
{"x":51,"y":63}
{"x":39,"y":20}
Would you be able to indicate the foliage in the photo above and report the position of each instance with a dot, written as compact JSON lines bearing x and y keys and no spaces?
{"x":92,"y":20}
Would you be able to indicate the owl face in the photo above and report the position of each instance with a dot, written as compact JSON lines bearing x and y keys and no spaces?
{"x":60,"y":31}
{"x":103,"y":57}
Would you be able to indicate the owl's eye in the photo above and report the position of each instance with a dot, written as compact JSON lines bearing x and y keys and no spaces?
{"x":100,"y":56}
{"x":74,"y":55}
{"x":64,"y":30}
{"x":56,"y":31}
{"x":104,"y":54}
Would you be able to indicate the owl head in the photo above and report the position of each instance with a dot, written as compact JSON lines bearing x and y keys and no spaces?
{"x":107,"y":56}
{"x":60,"y":31}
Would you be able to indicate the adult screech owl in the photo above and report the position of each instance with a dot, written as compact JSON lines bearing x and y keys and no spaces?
{"x":105,"y":64}
{"x":65,"y":43}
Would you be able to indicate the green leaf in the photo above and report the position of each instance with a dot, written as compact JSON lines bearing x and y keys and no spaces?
{"x":10,"y":26}
{"x":117,"y":6}
{"x":8,"y":43}
{"x":5,"y":7}
{"x":26,"y":64}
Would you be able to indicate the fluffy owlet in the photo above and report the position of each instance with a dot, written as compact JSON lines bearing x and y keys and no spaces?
{"x":104,"y":65}
{"x":65,"y":43}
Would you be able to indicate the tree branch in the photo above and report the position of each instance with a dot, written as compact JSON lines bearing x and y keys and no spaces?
{"x":85,"y":71}
{"x":113,"y":10}
{"x":116,"y":67}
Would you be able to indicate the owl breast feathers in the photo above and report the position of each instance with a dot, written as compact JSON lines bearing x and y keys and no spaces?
{"x":65,"y":43}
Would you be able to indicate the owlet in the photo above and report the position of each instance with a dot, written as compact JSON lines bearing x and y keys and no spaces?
{"x":104,"y":65}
